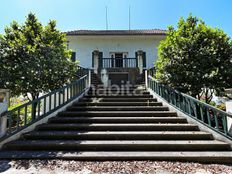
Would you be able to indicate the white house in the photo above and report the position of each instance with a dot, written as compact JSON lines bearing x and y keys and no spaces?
{"x":120,"y":54}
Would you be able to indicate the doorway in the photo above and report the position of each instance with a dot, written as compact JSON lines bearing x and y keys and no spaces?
{"x":117,"y":59}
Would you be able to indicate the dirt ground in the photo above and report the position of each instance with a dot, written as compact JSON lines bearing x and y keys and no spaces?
{"x":109,"y":167}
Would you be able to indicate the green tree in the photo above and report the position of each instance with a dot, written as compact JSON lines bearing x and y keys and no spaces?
{"x":34,"y":58}
{"x":195,"y":59}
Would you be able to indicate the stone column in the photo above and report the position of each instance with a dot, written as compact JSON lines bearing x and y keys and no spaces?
{"x":140,"y":61}
{"x":96,"y":60}
{"x":146,"y":82}
{"x":3,"y":125}
{"x":89,"y":78}
{"x":4,"y":104}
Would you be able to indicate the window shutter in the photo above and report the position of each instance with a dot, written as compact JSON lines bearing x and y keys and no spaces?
{"x":112,"y":61}
{"x":136,"y":56}
{"x":92,"y":59}
{"x":144,"y":60}
{"x":73,"y":56}
{"x":100,"y":59}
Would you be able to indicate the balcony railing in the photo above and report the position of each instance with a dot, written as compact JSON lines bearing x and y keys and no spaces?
{"x":118,"y":63}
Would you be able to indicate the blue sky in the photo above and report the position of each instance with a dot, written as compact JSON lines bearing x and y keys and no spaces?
{"x":90,"y":14}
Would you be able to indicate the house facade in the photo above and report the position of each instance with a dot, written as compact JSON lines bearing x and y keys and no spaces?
{"x":117,"y":56}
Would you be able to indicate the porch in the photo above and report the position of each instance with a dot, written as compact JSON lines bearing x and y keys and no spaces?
{"x":118,"y":69}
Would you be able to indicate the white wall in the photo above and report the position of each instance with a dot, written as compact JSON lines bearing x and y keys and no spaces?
{"x":85,"y":45}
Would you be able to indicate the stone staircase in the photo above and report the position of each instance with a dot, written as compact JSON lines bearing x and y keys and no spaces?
{"x":141,"y":78}
{"x":129,"y":124}
{"x":95,"y":79}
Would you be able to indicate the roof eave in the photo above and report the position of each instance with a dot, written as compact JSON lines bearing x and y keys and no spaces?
{"x":148,"y":34}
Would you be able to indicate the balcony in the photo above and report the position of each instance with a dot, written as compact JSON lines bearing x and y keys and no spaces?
{"x":118,"y":63}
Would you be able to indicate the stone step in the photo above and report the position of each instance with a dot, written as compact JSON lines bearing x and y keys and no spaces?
{"x":96,"y":82}
{"x":118,"y":135}
{"x":118,"y":99}
{"x":138,"y":96}
{"x":118,"y":92}
{"x":118,"y":89}
{"x":220,"y":157}
{"x":137,"y":87}
{"x":95,"y":78}
{"x":118,"y":113}
{"x":115,"y":145}
{"x":118,"y":108}
{"x":66,"y":120}
{"x":117,"y":104}
{"x":118,"y":127}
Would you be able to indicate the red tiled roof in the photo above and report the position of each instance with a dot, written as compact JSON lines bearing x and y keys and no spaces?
{"x":116,"y":32}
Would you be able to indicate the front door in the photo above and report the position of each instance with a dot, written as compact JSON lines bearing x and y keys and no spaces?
{"x":118,"y":59}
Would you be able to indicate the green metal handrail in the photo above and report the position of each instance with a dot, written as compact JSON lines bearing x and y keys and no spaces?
{"x":29,"y":113}
{"x":208,"y":115}
{"x":81,"y":71}
{"x":151,"y":71}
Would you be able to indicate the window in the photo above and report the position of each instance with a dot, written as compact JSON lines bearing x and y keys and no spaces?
{"x":73,"y":56}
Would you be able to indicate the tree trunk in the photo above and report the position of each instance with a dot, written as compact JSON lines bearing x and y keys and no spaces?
{"x":209,"y":95}
{"x":206,"y":96}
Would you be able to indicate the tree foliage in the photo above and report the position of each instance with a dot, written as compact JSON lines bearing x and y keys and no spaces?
{"x":195,"y":58}
{"x":34,"y":58}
